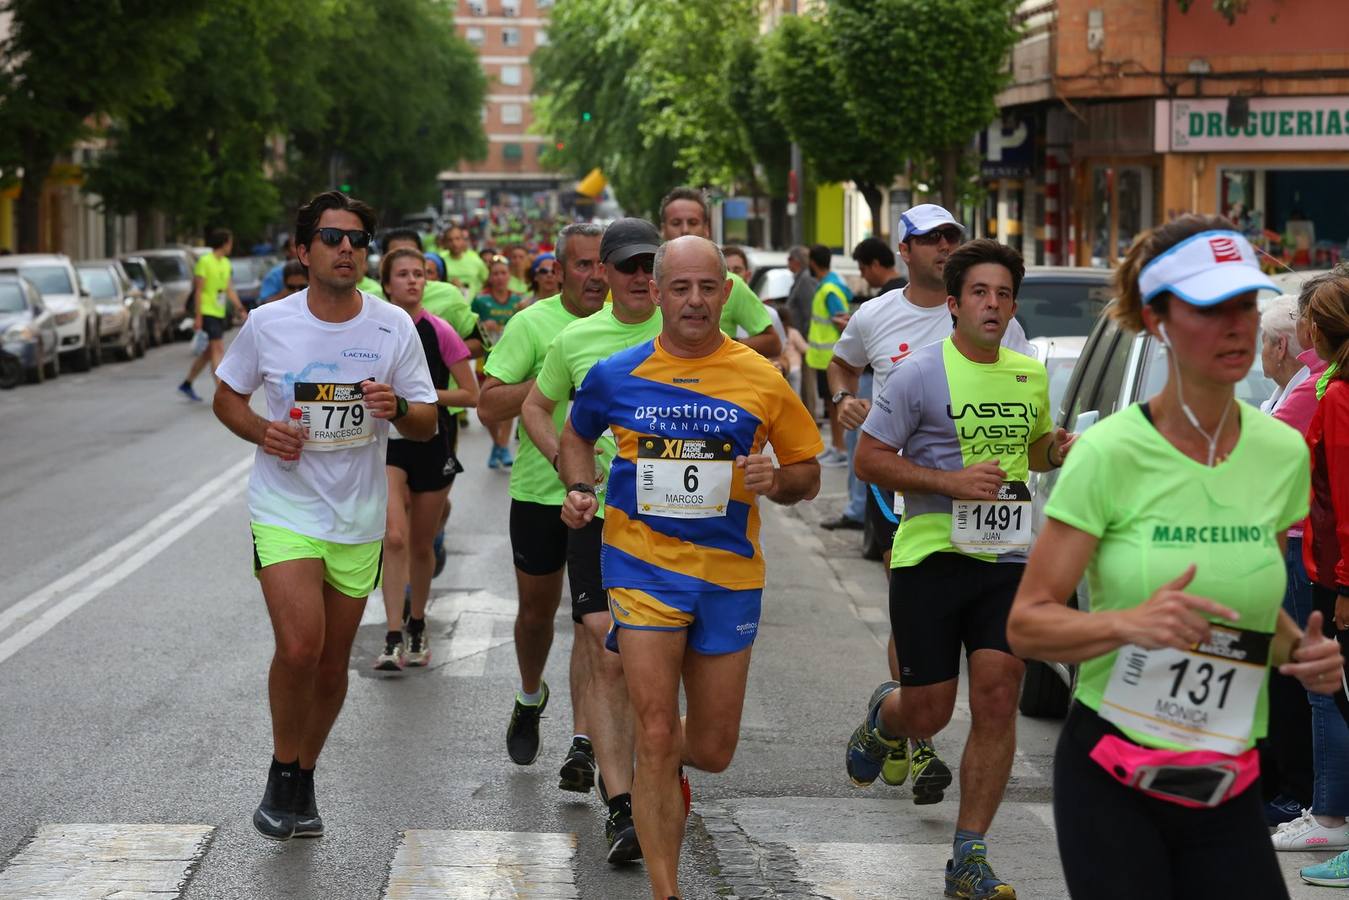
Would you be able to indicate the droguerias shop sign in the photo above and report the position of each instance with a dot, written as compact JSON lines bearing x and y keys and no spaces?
{"x":1272,"y":123}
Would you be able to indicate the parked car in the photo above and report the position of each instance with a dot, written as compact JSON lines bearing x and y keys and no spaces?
{"x":28,"y":329}
{"x":162,"y":319}
{"x":173,"y":267}
{"x":761,"y":262}
{"x":122,"y":314}
{"x":1062,"y":301}
{"x":76,"y":316}
{"x":246,"y":274}
{"x":1116,"y":368}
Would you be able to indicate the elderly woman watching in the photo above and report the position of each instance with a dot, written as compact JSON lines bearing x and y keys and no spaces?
{"x":1280,"y":347}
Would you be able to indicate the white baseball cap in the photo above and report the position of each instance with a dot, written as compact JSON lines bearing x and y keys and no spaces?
{"x":923,"y":218}
{"x":1205,"y":270}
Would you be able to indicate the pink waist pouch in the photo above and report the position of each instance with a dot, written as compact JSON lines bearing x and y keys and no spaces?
{"x":1130,"y":765}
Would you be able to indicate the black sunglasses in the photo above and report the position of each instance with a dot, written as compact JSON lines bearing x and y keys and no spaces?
{"x":931,"y":238}
{"x":645,"y":261}
{"x":333,"y":237}
{"x":545,"y":270}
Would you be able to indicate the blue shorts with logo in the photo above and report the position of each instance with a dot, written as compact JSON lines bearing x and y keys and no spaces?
{"x":717,"y":621}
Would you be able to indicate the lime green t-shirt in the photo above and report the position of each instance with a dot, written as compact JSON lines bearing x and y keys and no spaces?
{"x":580,"y":345}
{"x":370,"y":286}
{"x":444,"y":300}
{"x":948,"y":412}
{"x":214,"y":272}
{"x":744,"y":309}
{"x":1155,"y":511}
{"x":468,"y":269}
{"x":518,"y":357}
{"x":519,"y":286}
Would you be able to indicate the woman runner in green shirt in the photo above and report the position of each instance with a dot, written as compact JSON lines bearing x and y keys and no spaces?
{"x":1176,"y":511}
{"x":494,"y":308}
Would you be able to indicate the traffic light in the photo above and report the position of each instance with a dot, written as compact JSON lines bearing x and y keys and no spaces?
{"x":345,"y":188}
{"x":585,"y":117}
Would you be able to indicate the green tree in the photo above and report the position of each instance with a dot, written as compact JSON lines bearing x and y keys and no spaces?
{"x":65,"y":65}
{"x":851,"y":90}
{"x":811,"y":98}
{"x":406,"y":96}
{"x":197,"y":156}
{"x":644,"y":91}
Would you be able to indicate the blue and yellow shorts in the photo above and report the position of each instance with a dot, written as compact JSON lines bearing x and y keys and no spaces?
{"x":351,"y":568}
{"x":718,"y":622}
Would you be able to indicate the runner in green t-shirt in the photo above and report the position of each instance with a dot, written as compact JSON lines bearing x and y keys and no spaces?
{"x":627,"y":256}
{"x":463,"y":267}
{"x":519,"y":262}
{"x":1176,"y":510}
{"x":684,"y":211}
{"x":494,"y":308}
{"x":970,"y":418}
{"x":211,"y":284}
{"x":539,"y":540}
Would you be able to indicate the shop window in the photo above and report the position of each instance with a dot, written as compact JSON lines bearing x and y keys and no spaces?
{"x":1121,"y":209}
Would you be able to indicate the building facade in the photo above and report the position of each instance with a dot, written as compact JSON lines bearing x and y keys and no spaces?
{"x":505,"y":33}
{"x":1124,"y":114}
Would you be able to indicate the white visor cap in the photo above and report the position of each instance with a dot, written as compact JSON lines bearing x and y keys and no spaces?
{"x":924,"y":218}
{"x":1205,"y":270}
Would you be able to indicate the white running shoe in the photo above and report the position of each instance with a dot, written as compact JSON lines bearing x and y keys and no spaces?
{"x":1305,"y":833}
{"x":391,"y":660}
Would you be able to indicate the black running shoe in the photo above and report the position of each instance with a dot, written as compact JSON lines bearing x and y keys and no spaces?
{"x":308,"y":822}
{"x":622,"y":836}
{"x":522,"y":735}
{"x":578,"y":769}
{"x":275,"y":816}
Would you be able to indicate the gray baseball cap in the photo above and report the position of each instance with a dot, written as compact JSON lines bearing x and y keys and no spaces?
{"x":626,"y":238}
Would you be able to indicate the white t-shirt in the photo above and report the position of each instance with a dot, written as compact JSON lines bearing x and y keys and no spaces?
{"x":338,"y":494}
{"x":884,"y":331}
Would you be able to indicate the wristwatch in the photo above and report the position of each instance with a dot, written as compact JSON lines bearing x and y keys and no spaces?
{"x":583,"y":488}
{"x":838,"y":398}
{"x":400,"y":408}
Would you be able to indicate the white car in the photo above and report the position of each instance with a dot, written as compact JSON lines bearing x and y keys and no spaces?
{"x":76,"y":316}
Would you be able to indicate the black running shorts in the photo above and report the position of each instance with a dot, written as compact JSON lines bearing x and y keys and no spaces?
{"x":430,"y":466}
{"x":538,"y":537}
{"x":947,"y":600}
{"x":583,"y":571}
{"x":214,"y":326}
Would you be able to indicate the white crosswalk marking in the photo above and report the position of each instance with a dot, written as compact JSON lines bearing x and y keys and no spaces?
{"x":472,"y":616}
{"x":500,"y":865}
{"x":94,"y":862}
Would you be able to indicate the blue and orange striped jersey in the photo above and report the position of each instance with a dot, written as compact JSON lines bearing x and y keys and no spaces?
{"x":677,"y":515}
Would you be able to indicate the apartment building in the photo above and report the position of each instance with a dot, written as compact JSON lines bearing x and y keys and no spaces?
{"x":505,"y":33}
{"x":1123,"y":114}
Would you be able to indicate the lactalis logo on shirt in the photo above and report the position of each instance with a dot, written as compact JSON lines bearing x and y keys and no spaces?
{"x":360,"y":353}
{"x":1208,"y":534}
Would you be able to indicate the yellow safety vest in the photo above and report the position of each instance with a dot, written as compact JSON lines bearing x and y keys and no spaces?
{"x":823,"y":332}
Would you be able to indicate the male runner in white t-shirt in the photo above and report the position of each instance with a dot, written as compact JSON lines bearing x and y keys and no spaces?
{"x":351,"y":364}
{"x":882,"y":333}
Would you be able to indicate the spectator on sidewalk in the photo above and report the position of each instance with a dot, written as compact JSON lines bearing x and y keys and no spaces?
{"x":828,"y":318}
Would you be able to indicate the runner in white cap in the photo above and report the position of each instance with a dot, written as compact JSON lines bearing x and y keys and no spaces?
{"x":1176,"y":510}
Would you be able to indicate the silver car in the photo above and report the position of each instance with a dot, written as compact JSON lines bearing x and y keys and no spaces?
{"x":163,"y":320}
{"x":28,"y":329}
{"x":76,"y":316}
{"x":173,"y":267}
{"x":122,"y":315}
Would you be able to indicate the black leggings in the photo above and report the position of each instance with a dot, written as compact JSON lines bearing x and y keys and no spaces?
{"x":1119,"y":844}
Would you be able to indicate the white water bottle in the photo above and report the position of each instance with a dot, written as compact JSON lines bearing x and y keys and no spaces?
{"x":288,"y":465}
